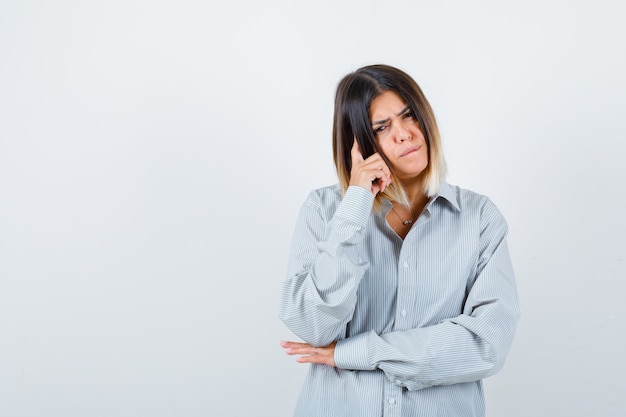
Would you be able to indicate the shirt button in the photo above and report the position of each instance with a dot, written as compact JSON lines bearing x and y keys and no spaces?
{"x":403,"y":313}
{"x":392,"y":401}
{"x":405,"y":264}
{"x":398,"y":382}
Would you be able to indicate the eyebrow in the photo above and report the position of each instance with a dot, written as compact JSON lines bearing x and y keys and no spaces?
{"x":380,"y":122}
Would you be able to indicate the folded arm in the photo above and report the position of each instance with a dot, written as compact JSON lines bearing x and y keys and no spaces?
{"x":465,"y":348}
{"x":325,"y":268}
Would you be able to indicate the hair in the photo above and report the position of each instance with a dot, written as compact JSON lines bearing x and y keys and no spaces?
{"x":353,"y":99}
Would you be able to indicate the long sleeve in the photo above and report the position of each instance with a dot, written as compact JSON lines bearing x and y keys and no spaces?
{"x":318,"y":297}
{"x":468,"y":347}
{"x":434,"y":310}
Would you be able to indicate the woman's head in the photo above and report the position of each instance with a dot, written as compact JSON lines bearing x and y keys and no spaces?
{"x":384,"y":86}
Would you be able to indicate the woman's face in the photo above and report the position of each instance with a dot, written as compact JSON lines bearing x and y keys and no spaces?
{"x":398,"y":135}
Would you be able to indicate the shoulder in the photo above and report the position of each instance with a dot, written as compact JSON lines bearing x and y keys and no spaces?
{"x":324,"y":200}
{"x":467,"y":200}
{"x":324,"y":196}
{"x":474,"y":204}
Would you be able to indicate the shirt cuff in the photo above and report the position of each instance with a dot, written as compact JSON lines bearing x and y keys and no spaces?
{"x":356,"y":205}
{"x":351,"y":353}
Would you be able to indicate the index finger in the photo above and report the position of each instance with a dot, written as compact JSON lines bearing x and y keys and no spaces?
{"x":356,"y":151}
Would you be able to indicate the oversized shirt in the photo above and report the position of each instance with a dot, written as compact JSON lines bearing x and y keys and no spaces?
{"x":419,"y":322}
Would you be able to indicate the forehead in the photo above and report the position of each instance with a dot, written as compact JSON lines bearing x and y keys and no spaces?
{"x":386,"y":105}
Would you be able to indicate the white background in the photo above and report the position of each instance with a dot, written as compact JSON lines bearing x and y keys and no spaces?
{"x":154,"y":155}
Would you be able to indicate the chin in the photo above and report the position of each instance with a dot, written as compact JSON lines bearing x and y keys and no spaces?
{"x":406,"y":177}
{"x":412,"y":173}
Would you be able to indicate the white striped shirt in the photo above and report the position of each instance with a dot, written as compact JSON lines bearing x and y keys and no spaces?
{"x":419,"y":321}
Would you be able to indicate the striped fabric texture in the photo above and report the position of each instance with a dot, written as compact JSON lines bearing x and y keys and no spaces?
{"x":419,"y":322}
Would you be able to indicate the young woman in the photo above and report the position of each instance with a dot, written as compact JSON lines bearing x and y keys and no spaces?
{"x":399,"y":283}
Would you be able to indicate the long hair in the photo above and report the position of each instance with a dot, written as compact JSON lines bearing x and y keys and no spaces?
{"x":353,"y":99}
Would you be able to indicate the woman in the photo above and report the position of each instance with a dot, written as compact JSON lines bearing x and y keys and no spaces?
{"x":399,"y":283}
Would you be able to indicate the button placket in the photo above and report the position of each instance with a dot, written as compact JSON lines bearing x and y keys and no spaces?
{"x":402,"y":278}
{"x":392,"y":399}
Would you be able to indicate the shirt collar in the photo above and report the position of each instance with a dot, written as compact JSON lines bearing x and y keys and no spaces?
{"x":447,"y":192}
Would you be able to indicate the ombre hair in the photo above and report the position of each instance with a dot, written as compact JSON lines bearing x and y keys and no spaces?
{"x":353,"y":100}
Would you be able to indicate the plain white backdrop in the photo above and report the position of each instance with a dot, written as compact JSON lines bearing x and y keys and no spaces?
{"x":154,"y":155}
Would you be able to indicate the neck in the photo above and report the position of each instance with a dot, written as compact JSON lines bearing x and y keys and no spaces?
{"x":415,"y":193}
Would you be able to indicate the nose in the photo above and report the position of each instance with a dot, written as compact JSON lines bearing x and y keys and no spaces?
{"x":402,"y":133}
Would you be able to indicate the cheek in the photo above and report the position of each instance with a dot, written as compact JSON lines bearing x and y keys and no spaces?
{"x":385,"y":149}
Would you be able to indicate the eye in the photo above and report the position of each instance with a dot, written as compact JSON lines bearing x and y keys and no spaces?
{"x":409,"y":115}
{"x":380,"y":129}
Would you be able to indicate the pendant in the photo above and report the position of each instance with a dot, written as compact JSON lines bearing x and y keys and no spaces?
{"x":407,"y":222}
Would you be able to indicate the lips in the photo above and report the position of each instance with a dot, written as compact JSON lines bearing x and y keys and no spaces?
{"x":410,"y":150}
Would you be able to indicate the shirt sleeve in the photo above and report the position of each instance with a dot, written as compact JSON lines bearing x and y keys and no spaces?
{"x":466,"y":348}
{"x":318,"y":297}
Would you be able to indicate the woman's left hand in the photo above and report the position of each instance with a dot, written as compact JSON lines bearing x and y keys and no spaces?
{"x":310,"y":354}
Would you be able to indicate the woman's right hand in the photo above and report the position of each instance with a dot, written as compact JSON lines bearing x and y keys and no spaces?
{"x":371,"y":173}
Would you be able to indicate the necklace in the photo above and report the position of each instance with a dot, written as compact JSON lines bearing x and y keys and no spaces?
{"x":407,"y":222}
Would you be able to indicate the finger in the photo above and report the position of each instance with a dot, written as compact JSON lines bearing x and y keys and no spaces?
{"x":312,"y":359}
{"x":382,"y":181}
{"x":377,"y":165}
{"x":379,"y":169}
{"x":286,"y":344}
{"x":375,"y":160}
{"x":386,"y":183}
{"x":355,"y":152}
{"x":293,"y":348}
{"x":326,"y":358}
{"x":383,"y":185}
{"x":319,"y":357}
{"x":385,"y":175}
{"x":305,"y":350}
